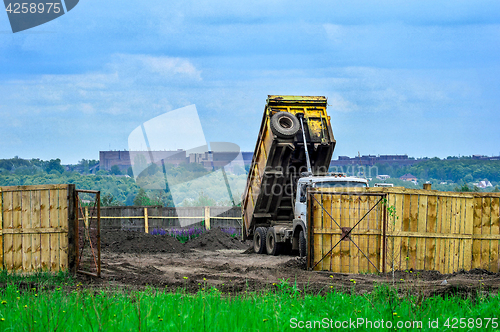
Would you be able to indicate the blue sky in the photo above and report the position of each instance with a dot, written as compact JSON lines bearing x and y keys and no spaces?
{"x":402,"y":77}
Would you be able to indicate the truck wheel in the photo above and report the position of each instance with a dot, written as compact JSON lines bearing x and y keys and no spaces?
{"x":302,"y":244}
{"x":259,"y":240}
{"x":272,"y":247}
{"x":284,"y":124}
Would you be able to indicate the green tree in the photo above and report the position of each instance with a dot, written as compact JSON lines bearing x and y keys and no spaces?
{"x":115,"y":169}
{"x":142,"y":198}
{"x":54,"y":165}
{"x":109,"y":200}
{"x":466,"y":188}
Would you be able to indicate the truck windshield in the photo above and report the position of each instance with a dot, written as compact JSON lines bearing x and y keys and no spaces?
{"x":339,"y":184}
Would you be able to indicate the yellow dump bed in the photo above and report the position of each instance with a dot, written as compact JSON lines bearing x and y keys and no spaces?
{"x":279,"y":157}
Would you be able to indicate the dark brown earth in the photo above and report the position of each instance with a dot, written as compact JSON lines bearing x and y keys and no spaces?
{"x":135,"y":260}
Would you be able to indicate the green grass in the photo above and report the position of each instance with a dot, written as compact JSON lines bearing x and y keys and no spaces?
{"x":45,"y":279}
{"x":74,"y":308}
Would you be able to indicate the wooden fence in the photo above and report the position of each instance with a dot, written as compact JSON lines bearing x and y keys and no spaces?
{"x":380,"y":229}
{"x":36,"y":228}
{"x":147,"y":218}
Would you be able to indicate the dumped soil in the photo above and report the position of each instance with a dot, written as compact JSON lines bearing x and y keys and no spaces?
{"x":216,"y":240}
{"x":135,"y":260}
{"x":137,"y":242}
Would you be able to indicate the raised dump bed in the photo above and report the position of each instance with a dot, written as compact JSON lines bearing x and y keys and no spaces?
{"x":280,"y":157}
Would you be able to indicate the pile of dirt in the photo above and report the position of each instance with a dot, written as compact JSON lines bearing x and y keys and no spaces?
{"x":294,"y":263}
{"x":216,"y":240}
{"x":138,"y":242}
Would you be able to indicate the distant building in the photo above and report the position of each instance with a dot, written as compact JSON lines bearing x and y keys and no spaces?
{"x":210,"y":160}
{"x":481,"y":157}
{"x":371,"y":160}
{"x":383,"y":177}
{"x":409,"y":177}
{"x":483,"y":184}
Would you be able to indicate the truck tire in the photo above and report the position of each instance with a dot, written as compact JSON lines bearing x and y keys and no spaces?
{"x":285,"y":125}
{"x":259,"y":240}
{"x":272,"y":247}
{"x":302,"y":244}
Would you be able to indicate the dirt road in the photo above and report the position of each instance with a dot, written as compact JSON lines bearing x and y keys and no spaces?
{"x":135,"y":260}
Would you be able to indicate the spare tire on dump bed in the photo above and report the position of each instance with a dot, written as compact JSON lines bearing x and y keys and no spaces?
{"x":285,"y":125}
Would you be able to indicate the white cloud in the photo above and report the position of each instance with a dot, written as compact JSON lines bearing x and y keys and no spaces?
{"x":164,"y":66}
{"x":334,"y":32}
{"x":339,"y":104}
{"x":121,"y":86}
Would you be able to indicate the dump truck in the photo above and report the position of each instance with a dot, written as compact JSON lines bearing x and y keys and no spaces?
{"x":292,"y":154}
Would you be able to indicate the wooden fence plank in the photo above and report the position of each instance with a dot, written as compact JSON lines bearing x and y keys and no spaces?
{"x":327,"y":240}
{"x":413,"y":228}
{"x":485,"y":230}
{"x":45,"y":223}
{"x":430,"y":248}
{"x":336,"y":208}
{"x":344,"y":245}
{"x":17,"y":224}
{"x":8,"y":223}
{"x":318,"y":253}
{"x":421,"y":228}
{"x":36,"y":223}
{"x":439,"y":263}
{"x":54,"y":222}
{"x":461,"y":230}
{"x":355,"y":217}
{"x":2,"y":266}
{"x":26,"y":223}
{"x":469,"y":224}
{"x":405,"y":242}
{"x":454,"y":245}
{"x":63,"y":223}
{"x":448,"y":216}
{"x":398,"y":229}
{"x":476,"y":244}
{"x":318,"y":223}
{"x":363,"y":239}
{"x":495,"y":230}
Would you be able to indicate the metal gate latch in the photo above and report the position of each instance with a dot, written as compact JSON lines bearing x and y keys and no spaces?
{"x":345,"y":232}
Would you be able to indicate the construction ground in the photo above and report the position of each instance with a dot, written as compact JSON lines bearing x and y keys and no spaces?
{"x":134,"y":260}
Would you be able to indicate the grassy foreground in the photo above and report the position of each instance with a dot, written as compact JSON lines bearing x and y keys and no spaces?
{"x":62,"y":305}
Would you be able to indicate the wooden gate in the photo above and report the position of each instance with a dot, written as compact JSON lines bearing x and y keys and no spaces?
{"x":424,"y":230}
{"x":345,"y":232}
{"x":36,"y":232}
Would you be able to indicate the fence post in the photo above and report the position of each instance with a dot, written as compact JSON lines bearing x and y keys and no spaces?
{"x":86,"y":218}
{"x":146,"y":221}
{"x":207,"y":217}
